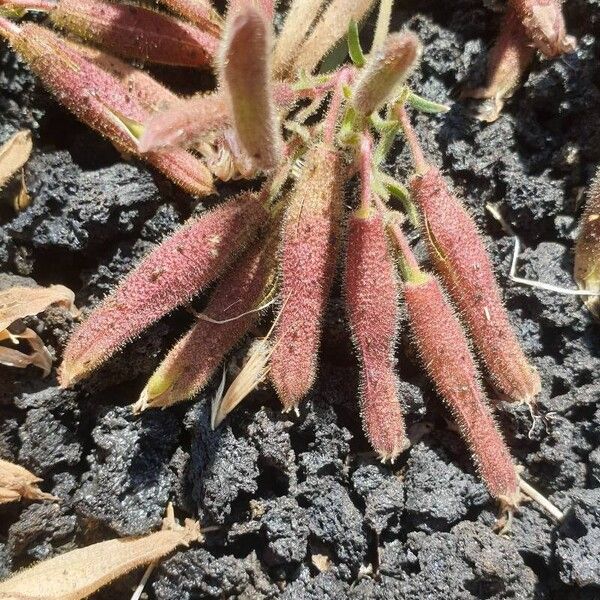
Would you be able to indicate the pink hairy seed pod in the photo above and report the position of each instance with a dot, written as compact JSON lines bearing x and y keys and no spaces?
{"x":507,"y":62}
{"x":371,"y":296}
{"x":180,"y":267}
{"x":229,"y":315}
{"x":97,"y":98}
{"x":309,"y":244}
{"x":245,"y":74}
{"x":587,"y":249}
{"x":462,"y":261}
{"x":386,"y":70}
{"x":446,"y":355}
{"x":186,"y":122}
{"x":151,"y":94}
{"x":137,"y":33}
{"x":199,"y":12}
{"x":545,"y":25}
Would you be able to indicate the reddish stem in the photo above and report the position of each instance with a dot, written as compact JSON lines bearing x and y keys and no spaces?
{"x":405,"y":249}
{"x":421,"y":164}
{"x":341,"y":79}
{"x":365,"y":169}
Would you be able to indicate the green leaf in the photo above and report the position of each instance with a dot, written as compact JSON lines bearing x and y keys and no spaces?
{"x":399,"y":191}
{"x":425,"y":105}
{"x":354,"y":48}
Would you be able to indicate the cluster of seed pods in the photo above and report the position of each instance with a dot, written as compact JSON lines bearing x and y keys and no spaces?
{"x":282,"y":246}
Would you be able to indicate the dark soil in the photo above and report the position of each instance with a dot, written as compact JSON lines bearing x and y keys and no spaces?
{"x":305,"y":510}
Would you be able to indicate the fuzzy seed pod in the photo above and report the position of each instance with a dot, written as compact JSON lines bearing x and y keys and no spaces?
{"x":371,"y":296}
{"x":135,"y":32}
{"x":152,"y":95}
{"x":309,"y":241}
{"x":230,"y":313}
{"x":587,"y":249}
{"x":186,"y":122}
{"x":462,"y":261}
{"x":180,"y":267}
{"x":245,"y":73}
{"x":387,"y":69}
{"x":508,"y":60}
{"x":446,"y":355}
{"x":545,"y":25}
{"x":97,"y":99}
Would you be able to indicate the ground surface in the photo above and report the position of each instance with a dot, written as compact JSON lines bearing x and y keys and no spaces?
{"x":305,"y":511}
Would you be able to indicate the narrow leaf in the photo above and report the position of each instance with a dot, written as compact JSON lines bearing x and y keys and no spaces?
{"x":16,"y":482}
{"x":19,"y":302}
{"x":425,"y":105}
{"x":14,"y":153}
{"x":354,"y":48}
{"x":186,"y":122}
{"x":232,"y":310}
{"x":446,"y":356}
{"x":94,"y":96}
{"x":79,"y":573}
{"x":371,"y":295}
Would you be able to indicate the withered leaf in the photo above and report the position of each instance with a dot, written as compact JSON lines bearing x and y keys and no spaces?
{"x":22,"y":198}
{"x":19,"y":302}
{"x":16,"y":482}
{"x":40,"y":357}
{"x":14,"y":154}
{"x":79,"y":573}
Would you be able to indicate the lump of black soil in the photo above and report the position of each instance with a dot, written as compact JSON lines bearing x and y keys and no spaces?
{"x":78,"y":210}
{"x":196,"y":573}
{"x":579,"y":539}
{"x":470,"y":562}
{"x":48,"y":435}
{"x":438,"y":493}
{"x":129,"y":481}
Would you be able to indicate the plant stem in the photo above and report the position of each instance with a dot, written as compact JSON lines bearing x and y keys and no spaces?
{"x":365,"y":168}
{"x":342,"y":78}
{"x":421,"y":165}
{"x":541,"y":500}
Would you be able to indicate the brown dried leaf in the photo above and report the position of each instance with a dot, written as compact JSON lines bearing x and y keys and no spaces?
{"x":17,"y":482}
{"x":40,"y":357}
{"x":81,"y":572}
{"x":22,"y":198}
{"x":14,"y":154}
{"x":19,"y":302}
